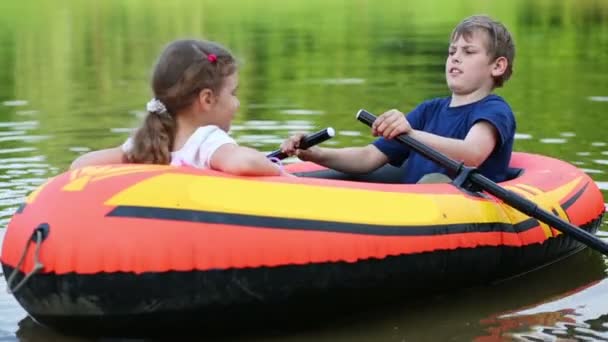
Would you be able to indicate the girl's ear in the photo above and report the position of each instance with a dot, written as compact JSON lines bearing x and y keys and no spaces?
{"x":206,"y":98}
{"x":500,"y":66}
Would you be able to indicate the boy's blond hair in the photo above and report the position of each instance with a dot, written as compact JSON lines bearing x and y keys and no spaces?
{"x":499,"y":44}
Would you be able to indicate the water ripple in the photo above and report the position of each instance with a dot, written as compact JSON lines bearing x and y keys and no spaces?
{"x":522,"y":136}
{"x":342,"y":81}
{"x":23,"y":124}
{"x":302,"y":112}
{"x":553,"y":141}
{"x":15,"y":103}
{"x":25,"y":138}
{"x":350,"y":133}
{"x":591,"y":171}
{"x":598,"y":98}
{"x":17,"y":150}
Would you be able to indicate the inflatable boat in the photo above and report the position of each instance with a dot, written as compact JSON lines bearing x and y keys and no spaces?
{"x":121,"y":246}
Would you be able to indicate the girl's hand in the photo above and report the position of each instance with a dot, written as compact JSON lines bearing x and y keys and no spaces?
{"x":391,"y":124}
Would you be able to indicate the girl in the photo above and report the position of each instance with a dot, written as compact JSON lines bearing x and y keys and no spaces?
{"x":194,"y":84}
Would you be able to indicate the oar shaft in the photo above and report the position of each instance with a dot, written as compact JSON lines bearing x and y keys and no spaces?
{"x":307,"y":141}
{"x":436,"y":156}
{"x":520,"y":203}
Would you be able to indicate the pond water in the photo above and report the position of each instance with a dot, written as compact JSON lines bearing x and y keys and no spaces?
{"x":75,"y":74}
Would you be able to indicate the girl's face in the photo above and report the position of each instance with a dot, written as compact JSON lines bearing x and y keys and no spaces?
{"x":225,"y":103}
{"x":468,"y":67}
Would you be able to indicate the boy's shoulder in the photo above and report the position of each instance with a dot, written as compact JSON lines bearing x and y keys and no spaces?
{"x":494,"y":100}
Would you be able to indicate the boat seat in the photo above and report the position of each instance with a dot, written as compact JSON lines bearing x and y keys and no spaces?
{"x":385,"y":174}
{"x":514,"y":172}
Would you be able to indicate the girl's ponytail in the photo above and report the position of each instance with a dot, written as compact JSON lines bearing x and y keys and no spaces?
{"x":153,"y":141}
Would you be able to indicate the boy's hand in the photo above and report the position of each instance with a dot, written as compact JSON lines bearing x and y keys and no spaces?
{"x":291,"y":144}
{"x":291,"y":147}
{"x":390,"y":124}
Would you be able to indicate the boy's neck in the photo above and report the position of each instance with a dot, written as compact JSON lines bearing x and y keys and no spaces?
{"x":465,"y":99}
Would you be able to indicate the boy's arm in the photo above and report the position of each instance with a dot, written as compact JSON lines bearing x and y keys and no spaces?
{"x":476,"y":147}
{"x":101,"y":157}
{"x":349,"y":159}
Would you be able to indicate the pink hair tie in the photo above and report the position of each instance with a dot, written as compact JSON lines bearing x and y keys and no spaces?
{"x":212,"y":58}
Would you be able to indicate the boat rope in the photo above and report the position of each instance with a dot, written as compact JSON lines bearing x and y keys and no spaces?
{"x":40,"y":234}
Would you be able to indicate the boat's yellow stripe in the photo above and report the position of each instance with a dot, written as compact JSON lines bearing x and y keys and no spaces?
{"x":305,"y":201}
{"x":549,"y":201}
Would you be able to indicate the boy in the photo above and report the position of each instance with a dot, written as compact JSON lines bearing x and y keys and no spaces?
{"x":472,"y":125}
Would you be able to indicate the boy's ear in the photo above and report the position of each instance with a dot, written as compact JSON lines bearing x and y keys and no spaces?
{"x":500,"y":66}
{"x":206,"y":98}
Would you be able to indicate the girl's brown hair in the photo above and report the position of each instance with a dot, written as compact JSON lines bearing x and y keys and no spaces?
{"x":184,"y":68}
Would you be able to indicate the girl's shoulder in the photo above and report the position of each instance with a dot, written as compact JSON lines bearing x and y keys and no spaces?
{"x":200,"y":146}
{"x":205,"y":134}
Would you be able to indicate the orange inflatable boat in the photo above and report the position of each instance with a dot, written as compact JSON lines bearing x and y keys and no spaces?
{"x":124,"y":245}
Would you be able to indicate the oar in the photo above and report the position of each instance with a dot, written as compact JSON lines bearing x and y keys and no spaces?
{"x":307,"y":141}
{"x":516,"y":201}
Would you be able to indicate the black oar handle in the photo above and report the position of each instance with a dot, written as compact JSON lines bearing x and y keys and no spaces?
{"x":307,"y":141}
{"x":509,"y":197}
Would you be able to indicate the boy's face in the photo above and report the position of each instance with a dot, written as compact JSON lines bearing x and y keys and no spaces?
{"x":468,"y":67}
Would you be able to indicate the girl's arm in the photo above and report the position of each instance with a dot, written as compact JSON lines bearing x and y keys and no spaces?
{"x":100,"y":157}
{"x":243,"y":161}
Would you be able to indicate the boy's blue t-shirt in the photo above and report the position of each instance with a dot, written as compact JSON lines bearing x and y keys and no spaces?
{"x":435,"y":116}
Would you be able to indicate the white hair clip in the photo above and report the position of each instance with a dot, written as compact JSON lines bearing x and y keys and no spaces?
{"x":155,"y":106}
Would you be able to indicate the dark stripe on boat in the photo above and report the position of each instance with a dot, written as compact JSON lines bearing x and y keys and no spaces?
{"x":525,"y":189}
{"x":574,"y":197}
{"x":316,"y":225}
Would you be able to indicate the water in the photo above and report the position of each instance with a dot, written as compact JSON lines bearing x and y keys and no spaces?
{"x":74,"y":78}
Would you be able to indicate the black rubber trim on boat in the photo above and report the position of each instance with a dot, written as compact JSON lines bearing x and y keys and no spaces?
{"x":252,"y":221}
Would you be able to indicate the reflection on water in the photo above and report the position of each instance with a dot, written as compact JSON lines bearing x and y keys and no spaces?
{"x":74,"y":78}
{"x":580,"y":314}
{"x":22,"y":169}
